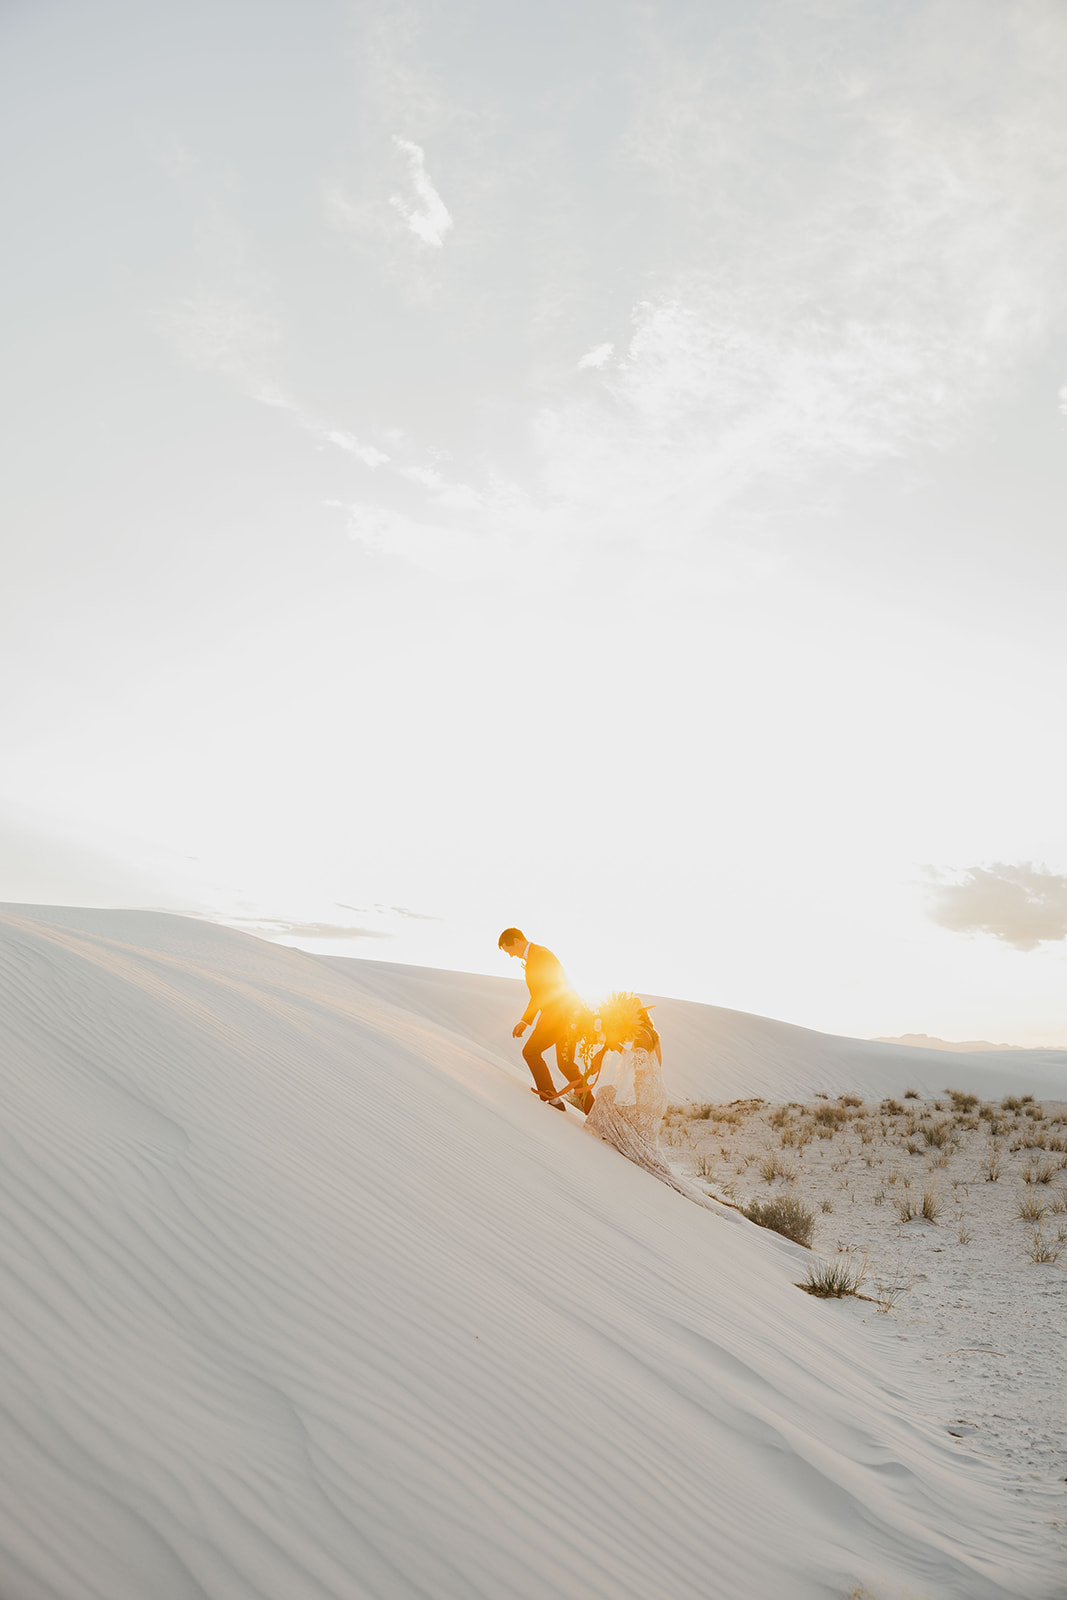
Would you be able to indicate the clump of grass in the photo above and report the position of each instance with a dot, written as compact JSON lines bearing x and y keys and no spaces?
{"x":992,"y":1166}
{"x":779,"y":1117}
{"x":1011,"y":1102}
{"x":1040,"y":1172}
{"x":1058,"y":1203}
{"x":705,"y":1165}
{"x":850,"y":1099}
{"x":772,"y":1166}
{"x":830,"y":1116}
{"x":1042,"y":1249}
{"x":826,"y":1206}
{"x":701,"y":1113}
{"x":911,"y":1094}
{"x":832,"y":1280}
{"x":784,"y":1214}
{"x":887,"y":1294}
{"x":879,"y":1198}
{"x":1031,"y":1209}
{"x":928,"y":1207}
{"x":938,"y":1134}
{"x":963,"y":1233}
{"x":962,"y":1101}
{"x":892,"y":1108}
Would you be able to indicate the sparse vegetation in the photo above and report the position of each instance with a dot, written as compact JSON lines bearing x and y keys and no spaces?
{"x":962,"y":1101}
{"x":1031,"y":1208}
{"x":1042,"y":1249}
{"x":784,"y":1214}
{"x":911,"y":1094}
{"x":832,"y":1280}
{"x":772,"y":1166}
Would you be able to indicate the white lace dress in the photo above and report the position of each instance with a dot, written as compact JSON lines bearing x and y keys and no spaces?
{"x":628,"y":1113}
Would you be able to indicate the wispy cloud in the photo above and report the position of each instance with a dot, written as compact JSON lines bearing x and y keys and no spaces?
{"x":1021,"y":904}
{"x":427,"y":215}
{"x":273,"y":927}
{"x":598,"y":356}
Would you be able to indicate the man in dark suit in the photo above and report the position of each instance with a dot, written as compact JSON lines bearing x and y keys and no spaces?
{"x":554,"y":1003}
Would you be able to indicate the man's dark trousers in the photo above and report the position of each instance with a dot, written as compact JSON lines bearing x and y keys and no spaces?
{"x":554,"y":1026}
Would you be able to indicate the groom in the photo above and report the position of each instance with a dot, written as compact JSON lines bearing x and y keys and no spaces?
{"x":553,"y":997}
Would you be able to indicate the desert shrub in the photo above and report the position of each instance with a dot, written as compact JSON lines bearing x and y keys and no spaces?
{"x":1011,"y":1102}
{"x":1031,"y":1208}
{"x":930,"y":1206}
{"x":1035,"y":1111}
{"x":987,"y":1113}
{"x":701,"y":1113}
{"x":1034,"y":1140}
{"x":850,"y":1099}
{"x":772,"y":1166}
{"x":992,"y":1166}
{"x":892,"y":1108}
{"x":783,"y":1214}
{"x":1042,"y":1249}
{"x":830,"y":1116}
{"x":779,"y":1117}
{"x":962,"y":1101}
{"x":826,"y":1206}
{"x":1040,"y":1172}
{"x":1058,"y":1201}
{"x":911,"y":1094}
{"x":938,"y":1134}
{"x":831,"y":1280}
{"x":905,"y":1206}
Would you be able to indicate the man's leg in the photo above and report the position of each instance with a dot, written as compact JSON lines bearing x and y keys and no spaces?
{"x":565,"y":1063}
{"x":533,"y":1053}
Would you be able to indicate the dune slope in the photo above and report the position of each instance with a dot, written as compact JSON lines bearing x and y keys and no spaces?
{"x":719,"y":1054}
{"x":301,"y":1295}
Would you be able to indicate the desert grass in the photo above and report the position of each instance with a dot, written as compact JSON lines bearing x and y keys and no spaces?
{"x":1042,"y":1249}
{"x":896,"y":1159}
{"x":832,"y":1280}
{"x":772,"y":1166}
{"x":783,"y":1214}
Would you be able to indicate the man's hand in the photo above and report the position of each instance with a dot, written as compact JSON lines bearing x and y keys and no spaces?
{"x":518,"y":1030}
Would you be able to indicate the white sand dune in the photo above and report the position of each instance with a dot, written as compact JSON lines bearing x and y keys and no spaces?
{"x":718,"y":1054}
{"x":303,"y":1295}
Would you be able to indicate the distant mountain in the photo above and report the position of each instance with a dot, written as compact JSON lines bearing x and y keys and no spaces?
{"x":925,"y":1042}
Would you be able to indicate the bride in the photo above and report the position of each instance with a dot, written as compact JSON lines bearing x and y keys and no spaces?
{"x":627,"y":1070}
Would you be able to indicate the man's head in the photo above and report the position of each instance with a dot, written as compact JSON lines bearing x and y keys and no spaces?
{"x":512,"y":941}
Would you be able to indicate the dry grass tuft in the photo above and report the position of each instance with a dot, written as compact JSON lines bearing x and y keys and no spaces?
{"x":1042,"y":1249}
{"x":784,"y":1214}
{"x":1031,"y":1209}
{"x":772,"y":1166}
{"x":832,"y":1280}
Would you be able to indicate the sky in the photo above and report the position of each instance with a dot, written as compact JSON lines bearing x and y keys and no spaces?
{"x":594,"y":467}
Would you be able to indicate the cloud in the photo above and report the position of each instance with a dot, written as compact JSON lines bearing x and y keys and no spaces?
{"x":368,"y":454}
{"x":428,"y":218}
{"x":305,"y":930}
{"x":598,"y":356}
{"x":1021,"y":904}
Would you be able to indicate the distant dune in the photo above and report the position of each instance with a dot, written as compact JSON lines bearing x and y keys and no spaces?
{"x":303,"y":1296}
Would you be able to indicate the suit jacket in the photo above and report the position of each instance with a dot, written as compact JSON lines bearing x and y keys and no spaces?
{"x":546,"y":981}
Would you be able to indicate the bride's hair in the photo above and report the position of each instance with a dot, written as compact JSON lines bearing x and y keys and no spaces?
{"x":646,"y":1037}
